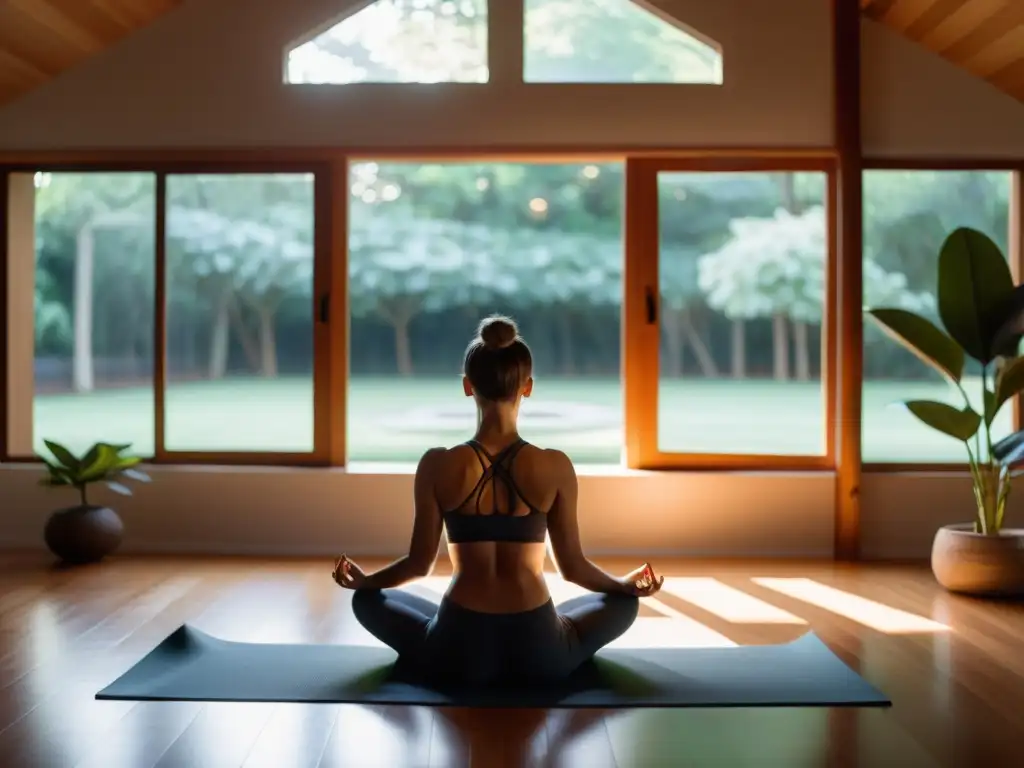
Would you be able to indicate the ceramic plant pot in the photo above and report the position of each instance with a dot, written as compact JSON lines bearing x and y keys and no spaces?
{"x":975,"y":564}
{"x":83,"y":534}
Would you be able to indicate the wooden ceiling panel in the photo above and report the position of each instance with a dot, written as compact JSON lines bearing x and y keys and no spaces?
{"x":39,"y":39}
{"x":985,"y":37}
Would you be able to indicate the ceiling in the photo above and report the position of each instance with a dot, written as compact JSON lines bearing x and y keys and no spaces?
{"x":985,"y":37}
{"x":39,"y":39}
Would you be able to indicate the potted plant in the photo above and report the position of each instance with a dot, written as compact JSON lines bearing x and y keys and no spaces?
{"x":983,"y":317}
{"x":86,"y":533}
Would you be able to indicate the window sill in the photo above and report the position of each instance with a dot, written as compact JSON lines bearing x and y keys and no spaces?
{"x":409,"y":468}
{"x":397,"y":469}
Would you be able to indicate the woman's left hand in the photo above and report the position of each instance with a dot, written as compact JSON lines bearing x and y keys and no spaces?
{"x":347,"y":574}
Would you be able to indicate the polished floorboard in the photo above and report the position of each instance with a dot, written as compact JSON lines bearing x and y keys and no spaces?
{"x":953,"y":667}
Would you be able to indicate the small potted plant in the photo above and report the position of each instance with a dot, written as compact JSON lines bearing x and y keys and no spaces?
{"x":982,"y":312}
{"x":86,"y":533}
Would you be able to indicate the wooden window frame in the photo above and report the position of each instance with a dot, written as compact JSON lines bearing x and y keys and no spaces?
{"x":329,"y":339}
{"x":641,"y":345}
{"x":331,"y":343}
{"x":1015,"y":258}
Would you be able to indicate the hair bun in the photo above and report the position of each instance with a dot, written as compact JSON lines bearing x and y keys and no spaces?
{"x":498,"y":331}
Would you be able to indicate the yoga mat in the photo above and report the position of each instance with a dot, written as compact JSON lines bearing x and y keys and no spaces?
{"x":193,"y":666}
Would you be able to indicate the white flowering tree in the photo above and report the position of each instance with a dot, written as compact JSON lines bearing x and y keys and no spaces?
{"x":774,"y":268}
{"x":233,"y":263}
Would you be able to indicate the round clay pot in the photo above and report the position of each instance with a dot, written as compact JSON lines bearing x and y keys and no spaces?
{"x":83,"y":534}
{"x":975,"y":564}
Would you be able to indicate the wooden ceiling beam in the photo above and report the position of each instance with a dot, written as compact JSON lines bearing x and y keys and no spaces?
{"x":903,"y":13}
{"x":999,"y":54}
{"x":938,"y":12}
{"x":1010,"y":79}
{"x":57,"y":21}
{"x":973,"y":21}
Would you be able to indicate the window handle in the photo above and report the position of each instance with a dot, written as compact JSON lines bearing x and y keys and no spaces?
{"x":325,"y":308}
{"x":651,"y":305}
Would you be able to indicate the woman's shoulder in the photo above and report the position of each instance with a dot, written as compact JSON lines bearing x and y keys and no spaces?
{"x":442,"y":457}
{"x":551,"y":455}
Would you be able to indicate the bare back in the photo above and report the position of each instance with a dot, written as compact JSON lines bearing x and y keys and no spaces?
{"x":498,"y":576}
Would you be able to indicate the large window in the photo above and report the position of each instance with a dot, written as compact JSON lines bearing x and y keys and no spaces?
{"x":907,"y":215}
{"x":611,"y":41}
{"x":729,"y":283}
{"x":92,"y":324}
{"x":398,"y":41}
{"x":433,"y":248}
{"x":211,"y":357}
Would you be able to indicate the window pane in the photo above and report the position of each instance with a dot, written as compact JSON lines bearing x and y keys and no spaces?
{"x":433,"y":248}
{"x":742,"y":273}
{"x":611,"y":41}
{"x":239,"y":313}
{"x":94,"y":239}
{"x":907,"y":215}
{"x":398,"y":41}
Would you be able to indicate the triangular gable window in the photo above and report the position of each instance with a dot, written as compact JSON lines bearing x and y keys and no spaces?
{"x":612,"y":41}
{"x":398,"y":41}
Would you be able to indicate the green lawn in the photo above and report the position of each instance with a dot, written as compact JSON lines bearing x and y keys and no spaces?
{"x":393,"y":419}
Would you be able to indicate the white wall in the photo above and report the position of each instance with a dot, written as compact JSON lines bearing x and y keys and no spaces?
{"x":917,"y":104}
{"x":227,"y":92}
{"x":210,"y":74}
{"x":322,"y":512}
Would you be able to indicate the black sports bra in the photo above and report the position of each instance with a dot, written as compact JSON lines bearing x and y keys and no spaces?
{"x":496,"y":526}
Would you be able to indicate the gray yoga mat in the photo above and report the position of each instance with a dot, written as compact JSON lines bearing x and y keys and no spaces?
{"x":193,"y":666}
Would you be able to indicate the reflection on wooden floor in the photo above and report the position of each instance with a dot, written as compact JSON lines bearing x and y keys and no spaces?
{"x":952,"y":666}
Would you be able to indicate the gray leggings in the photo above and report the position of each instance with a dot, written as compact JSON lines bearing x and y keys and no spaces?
{"x":451,"y":644}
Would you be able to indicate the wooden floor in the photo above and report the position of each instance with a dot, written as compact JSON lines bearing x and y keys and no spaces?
{"x":952,"y":666}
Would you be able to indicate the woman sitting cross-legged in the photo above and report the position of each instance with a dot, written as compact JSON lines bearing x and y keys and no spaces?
{"x":499,"y":498}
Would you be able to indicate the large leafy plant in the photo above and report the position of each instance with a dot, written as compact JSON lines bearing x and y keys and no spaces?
{"x":103,"y":463}
{"x":982,"y":312}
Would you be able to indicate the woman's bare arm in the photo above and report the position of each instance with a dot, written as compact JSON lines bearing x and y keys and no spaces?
{"x":426,"y":531}
{"x":563,"y":527}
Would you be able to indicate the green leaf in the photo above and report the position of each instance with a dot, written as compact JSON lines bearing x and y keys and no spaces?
{"x":105,"y":461}
{"x":1010,"y":450}
{"x":56,"y":475}
{"x":975,"y":285}
{"x":1009,"y":321}
{"x":124,"y":490}
{"x":922,"y":337}
{"x":90,"y":456}
{"x":991,"y":407}
{"x":961,"y":424}
{"x":1009,"y":381}
{"x":126,"y":462}
{"x":63,"y":455}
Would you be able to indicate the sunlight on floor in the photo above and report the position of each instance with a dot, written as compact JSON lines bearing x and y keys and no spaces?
{"x":727,"y":602}
{"x":867,"y":612}
{"x":675,"y":630}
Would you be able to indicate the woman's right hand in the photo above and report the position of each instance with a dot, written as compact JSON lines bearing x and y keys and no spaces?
{"x":347,"y":574}
{"x":643,"y":582}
